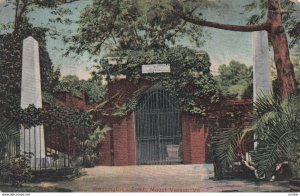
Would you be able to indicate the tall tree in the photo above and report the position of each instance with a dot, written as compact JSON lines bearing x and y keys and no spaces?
{"x":143,"y":24}
{"x":132,"y":25}
{"x":275,"y":27}
{"x":235,"y":80}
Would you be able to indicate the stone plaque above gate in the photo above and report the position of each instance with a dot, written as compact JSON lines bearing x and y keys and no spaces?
{"x":156,"y":68}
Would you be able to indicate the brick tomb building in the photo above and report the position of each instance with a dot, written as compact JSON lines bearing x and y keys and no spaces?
{"x":155,"y":131}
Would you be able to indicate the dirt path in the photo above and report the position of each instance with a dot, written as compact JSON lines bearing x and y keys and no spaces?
{"x":160,"y":178}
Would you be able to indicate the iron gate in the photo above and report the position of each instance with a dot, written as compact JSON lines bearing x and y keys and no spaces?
{"x":158,"y":129}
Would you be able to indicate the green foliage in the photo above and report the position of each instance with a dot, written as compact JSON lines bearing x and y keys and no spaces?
{"x":71,"y":84}
{"x":22,"y":8}
{"x":48,"y":98}
{"x":53,"y":117}
{"x":125,"y":108}
{"x":11,"y":65}
{"x":235,"y":80}
{"x":19,"y":170}
{"x":133,"y":25}
{"x":95,"y":91}
{"x":229,"y":145}
{"x":143,"y":24}
{"x":11,"y":40}
{"x":91,"y":145}
{"x":277,"y":128}
{"x":292,"y":26}
{"x":190,"y":80}
{"x":96,"y":136}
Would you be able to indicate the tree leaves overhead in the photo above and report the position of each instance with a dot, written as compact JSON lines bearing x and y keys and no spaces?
{"x":134,"y":25}
{"x":290,"y":17}
{"x":78,"y":88}
{"x":235,"y":80}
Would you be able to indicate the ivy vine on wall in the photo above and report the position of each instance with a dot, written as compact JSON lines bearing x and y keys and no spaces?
{"x":190,"y":80}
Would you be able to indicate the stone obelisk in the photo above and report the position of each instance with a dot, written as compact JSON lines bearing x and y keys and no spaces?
{"x":262,"y":82}
{"x":261,"y":68}
{"x":32,"y":140}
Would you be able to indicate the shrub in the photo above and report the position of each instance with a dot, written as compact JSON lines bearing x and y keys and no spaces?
{"x":19,"y":170}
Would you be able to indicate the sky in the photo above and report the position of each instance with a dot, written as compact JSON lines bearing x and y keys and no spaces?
{"x":222,"y":46}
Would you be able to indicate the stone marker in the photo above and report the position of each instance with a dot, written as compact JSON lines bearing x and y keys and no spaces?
{"x":261,"y":67}
{"x":32,"y":140}
{"x":156,"y":68}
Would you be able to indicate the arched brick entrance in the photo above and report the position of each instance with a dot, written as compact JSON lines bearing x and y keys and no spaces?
{"x":158,"y":129}
{"x":120,"y":146}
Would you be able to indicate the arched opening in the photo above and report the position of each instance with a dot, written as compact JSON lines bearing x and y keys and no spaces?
{"x":158,"y":129}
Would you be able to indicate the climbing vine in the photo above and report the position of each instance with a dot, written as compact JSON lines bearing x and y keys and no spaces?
{"x":189,"y":81}
{"x":53,"y":117}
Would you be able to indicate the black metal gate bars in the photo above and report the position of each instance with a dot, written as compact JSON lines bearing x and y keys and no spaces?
{"x":158,"y":129}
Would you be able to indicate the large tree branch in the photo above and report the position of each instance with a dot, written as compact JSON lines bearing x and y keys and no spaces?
{"x":24,"y":9}
{"x":16,"y":15}
{"x":246,"y":28}
{"x":61,"y":2}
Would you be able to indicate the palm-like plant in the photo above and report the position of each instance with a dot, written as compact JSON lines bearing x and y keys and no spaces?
{"x":277,"y":129}
{"x":229,"y":146}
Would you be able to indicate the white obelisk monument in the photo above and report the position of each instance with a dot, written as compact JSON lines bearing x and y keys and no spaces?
{"x":261,"y":68}
{"x":32,"y":140}
{"x":262,"y":82}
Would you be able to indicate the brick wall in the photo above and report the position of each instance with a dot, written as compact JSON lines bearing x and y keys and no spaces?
{"x":106,"y":151}
{"x":65,"y":99}
{"x":120,"y":142}
{"x":131,"y":140}
{"x":119,"y":146}
{"x":194,"y":139}
{"x":186,"y":147}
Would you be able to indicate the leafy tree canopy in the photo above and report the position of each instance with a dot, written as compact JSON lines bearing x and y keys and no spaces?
{"x":71,"y":84}
{"x":133,"y":25}
{"x":235,"y":80}
{"x":190,"y":80}
{"x":291,"y":23}
{"x":142,"y":25}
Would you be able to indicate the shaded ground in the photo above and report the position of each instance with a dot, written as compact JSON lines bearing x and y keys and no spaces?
{"x":8,"y":188}
{"x":160,"y":178}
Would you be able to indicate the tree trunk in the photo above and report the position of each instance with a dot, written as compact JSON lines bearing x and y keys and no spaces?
{"x":277,"y":36}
